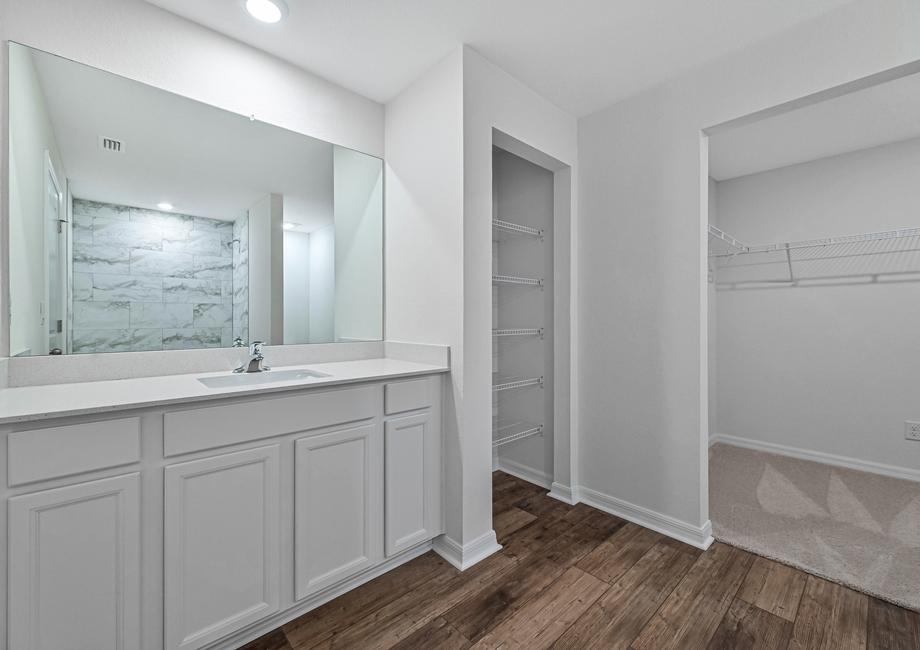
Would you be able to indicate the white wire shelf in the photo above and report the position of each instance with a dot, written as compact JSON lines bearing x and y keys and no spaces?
{"x":516,"y":228}
{"x":501,"y":382}
{"x":892,"y":255}
{"x":522,"y":331}
{"x":737,"y":248}
{"x":514,"y":279}
{"x":506,"y":431}
{"x":865,"y":238}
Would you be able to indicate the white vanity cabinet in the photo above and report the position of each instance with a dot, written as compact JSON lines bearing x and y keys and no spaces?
{"x":204,"y":525}
{"x":410,"y":511}
{"x":74,"y":569}
{"x":222,"y":562}
{"x":412,"y":451}
{"x":338,"y":507}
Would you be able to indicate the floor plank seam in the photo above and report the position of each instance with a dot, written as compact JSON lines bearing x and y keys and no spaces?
{"x":633,"y":591}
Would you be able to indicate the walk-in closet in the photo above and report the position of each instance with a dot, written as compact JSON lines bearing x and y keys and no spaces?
{"x":814,"y":300}
{"x":522,"y":317}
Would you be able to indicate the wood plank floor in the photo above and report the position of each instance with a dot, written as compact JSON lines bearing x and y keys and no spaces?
{"x":574,"y":577}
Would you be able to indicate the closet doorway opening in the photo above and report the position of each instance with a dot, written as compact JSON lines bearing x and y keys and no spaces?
{"x":814,"y":300}
{"x":531,"y":292}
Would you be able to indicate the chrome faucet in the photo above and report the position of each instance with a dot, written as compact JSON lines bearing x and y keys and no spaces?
{"x":255,"y":359}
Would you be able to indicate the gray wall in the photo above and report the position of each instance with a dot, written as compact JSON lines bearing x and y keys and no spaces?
{"x":322,"y":285}
{"x":642,"y":377}
{"x":826,"y":367}
{"x":358,"y":201}
{"x":296,"y":287}
{"x":31,"y":134}
{"x":241,"y":279}
{"x":149,"y":280}
{"x":523,"y":193}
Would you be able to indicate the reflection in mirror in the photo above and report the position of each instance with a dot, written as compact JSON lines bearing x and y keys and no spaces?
{"x":142,"y":220}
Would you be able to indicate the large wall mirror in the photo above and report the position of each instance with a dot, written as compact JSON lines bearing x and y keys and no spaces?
{"x":143,"y":220}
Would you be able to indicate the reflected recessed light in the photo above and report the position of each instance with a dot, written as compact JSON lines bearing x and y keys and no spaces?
{"x":268,"y":11}
{"x":289,"y":225}
{"x":165,"y":205}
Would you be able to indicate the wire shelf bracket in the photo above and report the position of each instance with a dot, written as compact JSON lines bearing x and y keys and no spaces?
{"x":721,"y":244}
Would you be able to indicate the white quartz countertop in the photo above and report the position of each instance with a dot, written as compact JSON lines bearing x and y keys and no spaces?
{"x":31,"y":403}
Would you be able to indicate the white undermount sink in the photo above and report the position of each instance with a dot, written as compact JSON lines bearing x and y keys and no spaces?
{"x":256,"y":378}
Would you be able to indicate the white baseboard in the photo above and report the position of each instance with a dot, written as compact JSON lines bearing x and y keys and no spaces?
{"x":698,"y":536}
{"x":893,"y":471}
{"x":464,"y":556}
{"x":525,"y":473}
{"x":265,"y":626}
{"x":563,"y":493}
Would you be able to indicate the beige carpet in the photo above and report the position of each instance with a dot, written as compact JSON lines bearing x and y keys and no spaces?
{"x":861,"y":530}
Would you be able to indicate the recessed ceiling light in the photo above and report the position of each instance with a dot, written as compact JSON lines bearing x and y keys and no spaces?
{"x":268,"y":11}
{"x":165,"y":205}
{"x":289,"y":225}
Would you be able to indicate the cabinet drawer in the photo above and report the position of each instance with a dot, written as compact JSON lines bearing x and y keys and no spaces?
{"x":218,"y":426}
{"x":405,"y":396}
{"x":42,"y":454}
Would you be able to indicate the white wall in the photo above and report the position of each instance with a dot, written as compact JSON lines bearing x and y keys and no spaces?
{"x":825,"y":368}
{"x":438,"y":243}
{"x":712,"y":339}
{"x":494,"y":100}
{"x":322,"y":285}
{"x":31,"y":134}
{"x":143,"y":42}
{"x":296,"y":287}
{"x":358,"y":201}
{"x":424,"y":208}
{"x":266,"y":270}
{"x":643,"y":341}
{"x":146,"y":43}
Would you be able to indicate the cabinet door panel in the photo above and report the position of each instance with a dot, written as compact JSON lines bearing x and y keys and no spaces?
{"x":337,"y":507}
{"x":74,"y":567}
{"x":409,"y":479}
{"x":221,"y":545}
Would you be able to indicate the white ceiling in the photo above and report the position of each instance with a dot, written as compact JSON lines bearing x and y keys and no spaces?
{"x":583,"y":55}
{"x":203,"y":160}
{"x":882,"y":114}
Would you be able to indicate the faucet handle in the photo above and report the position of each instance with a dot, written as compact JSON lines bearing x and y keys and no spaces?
{"x":255,"y":348}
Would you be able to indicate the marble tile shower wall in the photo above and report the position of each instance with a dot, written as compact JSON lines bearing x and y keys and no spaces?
{"x":150,"y":280}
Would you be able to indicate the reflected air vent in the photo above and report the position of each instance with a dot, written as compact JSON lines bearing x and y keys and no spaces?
{"x":111,"y":144}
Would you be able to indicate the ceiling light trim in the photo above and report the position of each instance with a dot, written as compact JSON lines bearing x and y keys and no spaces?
{"x":261,"y":10}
